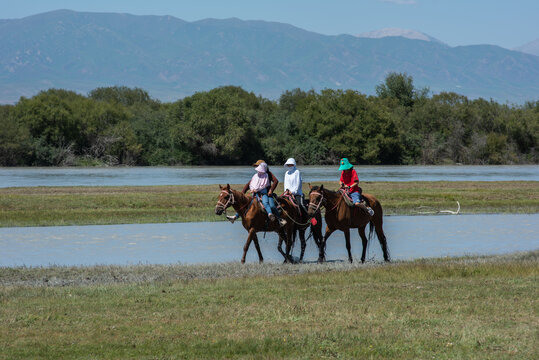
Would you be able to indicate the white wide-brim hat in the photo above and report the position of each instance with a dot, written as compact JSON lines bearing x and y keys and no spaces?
{"x":290,"y":161}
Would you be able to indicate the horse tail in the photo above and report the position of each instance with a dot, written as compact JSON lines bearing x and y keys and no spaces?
{"x":371,"y":230}
{"x":378,"y":215}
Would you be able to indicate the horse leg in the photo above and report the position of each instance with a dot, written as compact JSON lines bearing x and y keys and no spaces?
{"x":257,"y":245}
{"x":361,"y":232}
{"x":247,"y":244}
{"x":348,"y":246}
{"x":317,"y":230}
{"x":322,"y":247}
{"x":303,"y":243}
{"x":288,"y":236}
{"x":283,"y":237}
{"x":280,"y":246}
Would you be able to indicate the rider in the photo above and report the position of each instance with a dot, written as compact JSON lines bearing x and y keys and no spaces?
{"x":293,"y":181}
{"x":350,"y":181}
{"x":262,"y":184}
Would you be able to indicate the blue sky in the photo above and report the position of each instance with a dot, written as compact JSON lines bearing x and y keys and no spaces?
{"x":507,"y":23}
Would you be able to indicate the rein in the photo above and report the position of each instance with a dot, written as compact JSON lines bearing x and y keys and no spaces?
{"x":290,"y":217}
{"x":317,"y":207}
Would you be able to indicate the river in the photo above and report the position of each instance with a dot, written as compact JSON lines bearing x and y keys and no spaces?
{"x":201,"y":175}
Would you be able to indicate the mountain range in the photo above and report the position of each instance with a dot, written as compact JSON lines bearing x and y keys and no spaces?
{"x":172,"y":58}
{"x":531,"y":47}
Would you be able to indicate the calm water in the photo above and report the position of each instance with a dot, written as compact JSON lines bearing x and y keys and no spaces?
{"x":409,"y":237}
{"x":142,"y":176}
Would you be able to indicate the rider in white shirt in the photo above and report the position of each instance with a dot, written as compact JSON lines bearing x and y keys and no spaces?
{"x":293,"y":181}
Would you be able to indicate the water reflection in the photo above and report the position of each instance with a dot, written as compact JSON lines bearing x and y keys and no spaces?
{"x":144,"y":176}
{"x":409,"y":237}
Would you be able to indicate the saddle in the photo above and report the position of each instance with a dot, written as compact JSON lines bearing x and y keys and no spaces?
{"x":300,"y":207}
{"x":259,"y":200}
{"x":348,"y":199}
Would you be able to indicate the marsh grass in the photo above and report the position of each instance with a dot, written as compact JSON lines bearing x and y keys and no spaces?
{"x":472,"y":307}
{"x":44,"y":206}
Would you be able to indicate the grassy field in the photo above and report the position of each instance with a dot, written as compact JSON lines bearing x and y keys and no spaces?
{"x":464,"y":308}
{"x":42,"y":206}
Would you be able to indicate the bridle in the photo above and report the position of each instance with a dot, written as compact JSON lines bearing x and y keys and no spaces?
{"x":231,"y":201}
{"x":317,"y":206}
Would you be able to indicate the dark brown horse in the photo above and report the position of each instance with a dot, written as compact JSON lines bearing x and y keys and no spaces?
{"x":340,"y":216}
{"x":253,"y":220}
{"x":301,"y":221}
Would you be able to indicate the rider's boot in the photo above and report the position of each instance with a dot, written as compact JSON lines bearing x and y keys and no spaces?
{"x":231,"y":218}
{"x":366,"y":209}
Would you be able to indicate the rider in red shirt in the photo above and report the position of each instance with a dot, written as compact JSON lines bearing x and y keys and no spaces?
{"x":350,"y":181}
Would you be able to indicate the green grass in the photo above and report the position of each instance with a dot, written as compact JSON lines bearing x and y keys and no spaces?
{"x":480,"y":308}
{"x":43,"y":206}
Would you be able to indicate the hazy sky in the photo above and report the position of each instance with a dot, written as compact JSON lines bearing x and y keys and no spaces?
{"x":507,"y":23}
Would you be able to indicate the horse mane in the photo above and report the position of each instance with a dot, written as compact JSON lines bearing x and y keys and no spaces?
{"x":240,"y":194}
{"x":316,"y":187}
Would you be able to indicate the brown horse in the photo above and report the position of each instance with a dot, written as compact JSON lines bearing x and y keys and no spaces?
{"x":339,"y":216}
{"x":253,"y":220}
{"x":301,"y":221}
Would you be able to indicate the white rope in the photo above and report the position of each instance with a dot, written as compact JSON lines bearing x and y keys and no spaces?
{"x":440,"y":211}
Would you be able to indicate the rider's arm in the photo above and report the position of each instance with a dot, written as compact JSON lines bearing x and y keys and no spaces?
{"x":246,"y":187}
{"x":355,"y":179}
{"x":274,"y":183}
{"x":341,"y":180}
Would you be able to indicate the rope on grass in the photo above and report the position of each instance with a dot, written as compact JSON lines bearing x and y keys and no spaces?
{"x":450,"y":212}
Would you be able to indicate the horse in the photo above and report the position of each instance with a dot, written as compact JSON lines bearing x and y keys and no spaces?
{"x":339,"y":216}
{"x":301,"y":220}
{"x":253,"y":220}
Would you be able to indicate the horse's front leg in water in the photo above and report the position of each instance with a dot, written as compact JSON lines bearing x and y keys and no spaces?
{"x":247,"y":243}
{"x":280,"y":246}
{"x":289,"y":242}
{"x":322,"y":247}
{"x":303,"y":243}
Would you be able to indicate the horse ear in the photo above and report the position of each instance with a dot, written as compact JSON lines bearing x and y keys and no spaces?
{"x":220,"y":187}
{"x":322,"y":187}
{"x":310,"y":186}
{"x":228,"y":186}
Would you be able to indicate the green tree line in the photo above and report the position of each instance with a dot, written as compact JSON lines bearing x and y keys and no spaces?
{"x":228,"y":125}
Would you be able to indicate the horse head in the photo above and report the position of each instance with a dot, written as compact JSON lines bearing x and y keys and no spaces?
{"x":316,"y":199}
{"x":226,"y":198}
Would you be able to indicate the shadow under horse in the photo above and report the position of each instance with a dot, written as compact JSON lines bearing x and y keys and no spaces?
{"x":301,"y":220}
{"x":254,"y":220}
{"x":340,"y":216}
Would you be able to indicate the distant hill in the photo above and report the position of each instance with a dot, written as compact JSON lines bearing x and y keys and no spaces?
{"x":172,"y":58}
{"x":406,"y":33}
{"x":530,"y":48}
